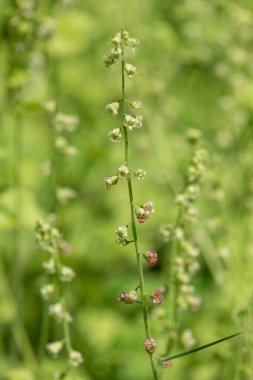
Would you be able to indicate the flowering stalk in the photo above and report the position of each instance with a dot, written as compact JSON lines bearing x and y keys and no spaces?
{"x":51,"y":241}
{"x":142,"y":213}
{"x":183,"y":255}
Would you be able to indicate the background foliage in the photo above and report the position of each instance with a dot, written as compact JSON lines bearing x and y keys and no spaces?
{"x":194,"y":71}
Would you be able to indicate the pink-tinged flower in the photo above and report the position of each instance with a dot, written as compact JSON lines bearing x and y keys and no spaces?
{"x":151,"y":257}
{"x":167,"y":364}
{"x":194,"y":302}
{"x":150,"y":345}
{"x":141,"y":214}
{"x":157,"y":297}
{"x":128,"y":297}
{"x":149,"y":207}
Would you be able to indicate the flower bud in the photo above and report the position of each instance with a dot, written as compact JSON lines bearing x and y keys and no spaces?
{"x":121,"y":234}
{"x":64,"y":248}
{"x":166,"y":233}
{"x":141,"y":214}
{"x":130,"y":70}
{"x":180,"y":200}
{"x":47,"y":291}
{"x":136,"y":105}
{"x":193,"y":135}
{"x":49,"y":266}
{"x":193,"y":301}
{"x":149,"y":207}
{"x":56,"y":310}
{"x":46,"y":168}
{"x":65,"y":194}
{"x":133,"y":43}
{"x":116,"y":53}
{"x":115,"y":135}
{"x":66,"y":274}
{"x":70,"y":151}
{"x":140,"y":174}
{"x":128,"y":297}
{"x":129,"y":122}
{"x":110,"y":181}
{"x":123,"y":172}
{"x":125,"y":35}
{"x":116,"y":40}
{"x":75,"y":358}
{"x":60,"y":142}
{"x":151,"y":257}
{"x":138,"y":121}
{"x":150,"y":345}
{"x":64,"y":122}
{"x":167,"y":364}
{"x":187,"y":338}
{"x":112,"y":109}
{"x":54,"y":348}
{"x":157,"y":297}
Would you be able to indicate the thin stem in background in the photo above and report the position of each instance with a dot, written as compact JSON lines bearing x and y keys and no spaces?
{"x":133,"y":224}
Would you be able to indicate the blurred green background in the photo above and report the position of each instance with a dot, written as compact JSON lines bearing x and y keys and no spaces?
{"x":195,"y":70}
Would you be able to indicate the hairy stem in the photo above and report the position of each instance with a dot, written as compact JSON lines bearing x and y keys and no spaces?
{"x":134,"y":230}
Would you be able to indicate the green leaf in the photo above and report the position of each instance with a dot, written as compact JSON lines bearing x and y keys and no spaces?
{"x":198,"y":348}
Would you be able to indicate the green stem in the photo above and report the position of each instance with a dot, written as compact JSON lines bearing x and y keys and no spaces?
{"x":66,"y":330}
{"x":135,"y":237}
{"x":44,"y":332}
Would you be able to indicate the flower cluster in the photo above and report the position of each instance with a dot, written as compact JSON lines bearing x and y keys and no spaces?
{"x":118,"y":41}
{"x":25,"y":25}
{"x":157,"y":297}
{"x":128,"y":297}
{"x":151,"y":257}
{"x":143,"y":212}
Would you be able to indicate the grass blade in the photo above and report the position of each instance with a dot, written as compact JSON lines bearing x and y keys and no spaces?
{"x":198,"y":348}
